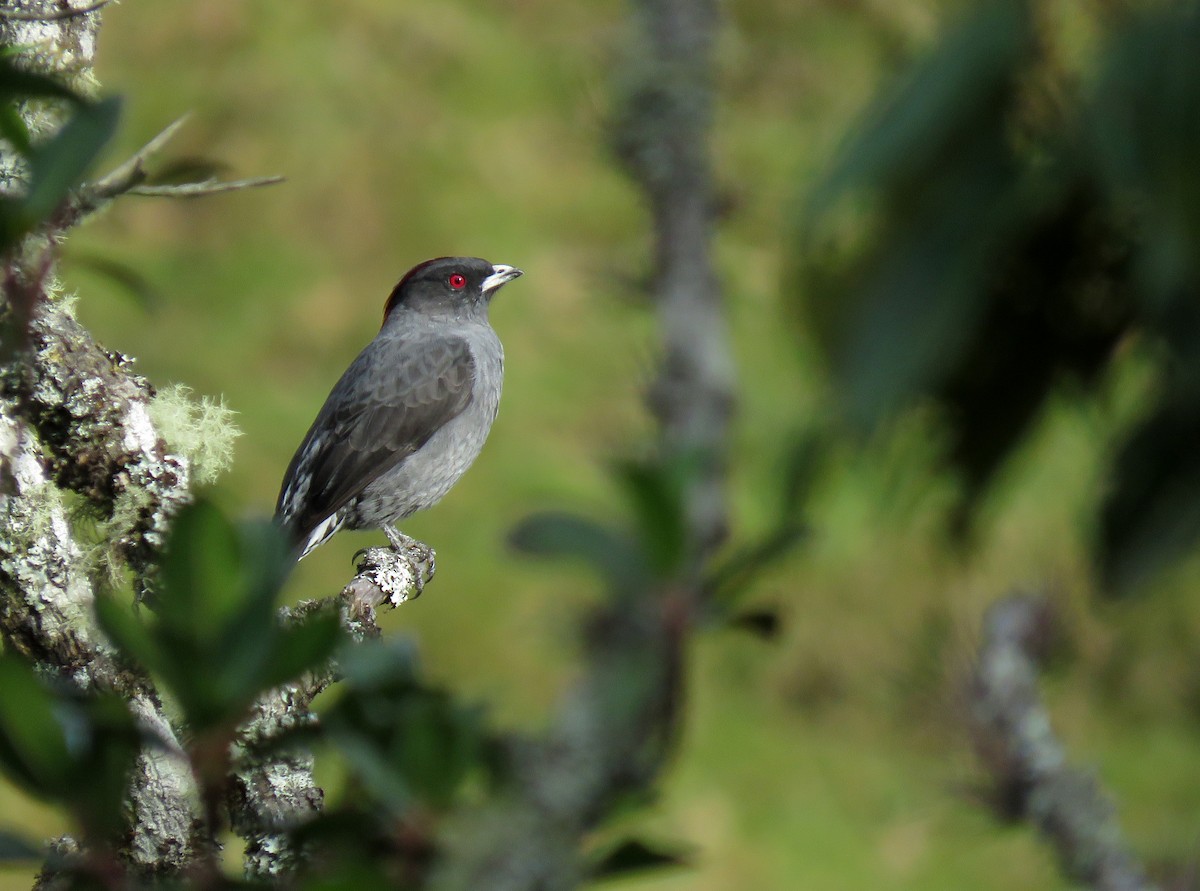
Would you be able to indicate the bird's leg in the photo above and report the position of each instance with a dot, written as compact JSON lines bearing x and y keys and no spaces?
{"x":421,"y":555}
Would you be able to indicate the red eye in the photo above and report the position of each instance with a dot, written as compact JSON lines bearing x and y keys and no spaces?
{"x":458,"y":282}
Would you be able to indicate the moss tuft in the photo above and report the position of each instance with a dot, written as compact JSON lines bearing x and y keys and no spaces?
{"x":202,"y":430}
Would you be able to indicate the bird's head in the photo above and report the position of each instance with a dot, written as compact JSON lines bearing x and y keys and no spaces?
{"x":454,"y":284}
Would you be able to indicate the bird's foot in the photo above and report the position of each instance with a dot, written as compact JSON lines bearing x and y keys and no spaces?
{"x":401,"y":571}
{"x":420,"y":555}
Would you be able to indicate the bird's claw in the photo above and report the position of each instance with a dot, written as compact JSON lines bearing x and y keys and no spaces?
{"x":400,"y":572}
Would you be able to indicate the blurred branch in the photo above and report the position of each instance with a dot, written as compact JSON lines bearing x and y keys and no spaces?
{"x":661,"y":135}
{"x":618,"y":724}
{"x":1028,"y":763}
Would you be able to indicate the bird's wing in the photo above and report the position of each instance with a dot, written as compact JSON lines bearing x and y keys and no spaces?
{"x":391,"y":399}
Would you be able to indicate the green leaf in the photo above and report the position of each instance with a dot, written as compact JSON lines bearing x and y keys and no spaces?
{"x":18,"y":83}
{"x":401,"y":739}
{"x":908,"y":131}
{"x":12,"y":128}
{"x":948,"y":194}
{"x":202,"y":585}
{"x":1151,"y":516}
{"x":656,"y":491}
{"x":15,"y":849}
{"x":33,"y":747}
{"x":614,"y":555}
{"x":58,"y":165}
{"x":128,"y":633}
{"x":635,"y":856}
{"x":306,"y":646}
{"x":130,"y":281}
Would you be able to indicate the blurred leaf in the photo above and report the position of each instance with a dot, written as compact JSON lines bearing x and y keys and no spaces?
{"x":937,"y":158}
{"x":202,"y":587}
{"x":12,"y":128}
{"x":73,"y":750}
{"x":216,"y":640}
{"x":735,"y":575}
{"x":145,"y":295}
{"x":401,"y":739}
{"x":128,"y":633}
{"x":913,"y":127}
{"x":15,"y":849}
{"x":17,"y":83}
{"x":33,"y":749}
{"x":635,"y":856}
{"x":58,"y":165}
{"x":656,"y":490}
{"x":187,"y":170}
{"x":303,"y":647}
{"x":1145,"y":126}
{"x":1152,"y":515}
{"x":611,"y":553}
{"x":762,"y":623}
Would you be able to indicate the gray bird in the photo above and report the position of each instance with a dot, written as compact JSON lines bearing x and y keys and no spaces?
{"x":409,"y":415}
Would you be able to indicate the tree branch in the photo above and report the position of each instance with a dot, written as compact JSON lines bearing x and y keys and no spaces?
{"x":1014,"y":738}
{"x":129,"y":178}
{"x":272,"y":792}
{"x":661,"y":136}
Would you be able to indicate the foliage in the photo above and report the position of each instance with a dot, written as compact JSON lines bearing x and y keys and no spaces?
{"x":1019,"y":230}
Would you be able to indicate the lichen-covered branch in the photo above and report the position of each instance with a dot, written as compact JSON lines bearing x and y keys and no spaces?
{"x":270,"y":791}
{"x":1029,"y":765}
{"x":46,"y":601}
{"x":75,"y":431}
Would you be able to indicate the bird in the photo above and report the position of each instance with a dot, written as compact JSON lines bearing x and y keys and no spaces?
{"x":408,"y":416}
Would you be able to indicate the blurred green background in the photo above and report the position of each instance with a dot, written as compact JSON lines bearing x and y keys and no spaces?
{"x":834,"y":757}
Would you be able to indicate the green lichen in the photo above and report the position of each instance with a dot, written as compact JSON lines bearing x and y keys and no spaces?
{"x":202,"y":430}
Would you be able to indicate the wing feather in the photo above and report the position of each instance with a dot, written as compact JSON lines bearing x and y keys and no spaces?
{"x":391,"y":399}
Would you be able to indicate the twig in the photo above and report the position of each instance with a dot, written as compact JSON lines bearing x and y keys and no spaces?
{"x":17,"y":15}
{"x":133,"y":172}
{"x":204,"y":187}
{"x":130,"y":179}
{"x":1014,"y":738}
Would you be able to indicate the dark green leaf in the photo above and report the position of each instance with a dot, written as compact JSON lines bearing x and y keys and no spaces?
{"x":611,"y":553}
{"x":1145,"y":126}
{"x":202,"y":585}
{"x":33,"y":747}
{"x":15,"y":849}
{"x":635,"y":856}
{"x":657,"y":493}
{"x":939,"y":164}
{"x":130,"y":281}
{"x":734,"y":577}
{"x":58,"y":165}
{"x":12,"y":128}
{"x":763,"y":623}
{"x":18,"y":83}
{"x":128,"y":633}
{"x":1152,"y":515}
{"x":303,"y":647}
